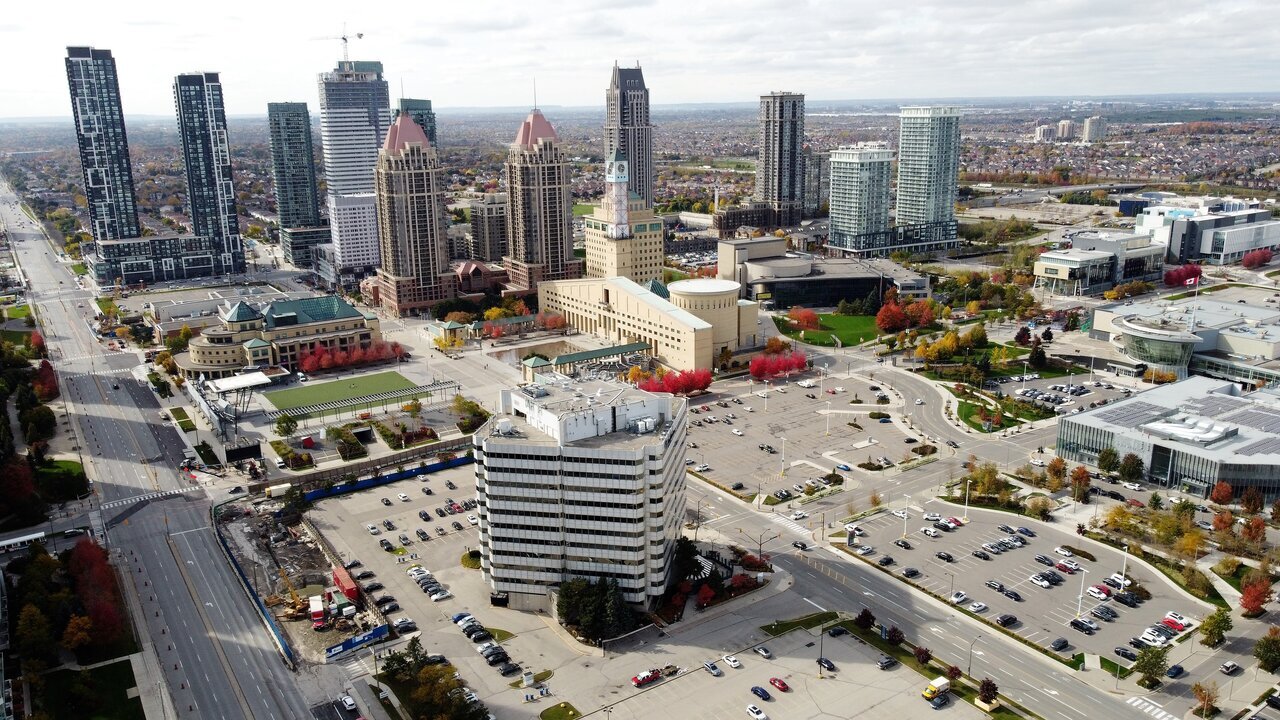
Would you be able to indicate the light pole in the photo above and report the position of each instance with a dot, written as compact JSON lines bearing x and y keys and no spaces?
{"x":1080,"y":597}
{"x":1024,"y":374}
{"x":828,"y":417}
{"x":905,"y":514}
{"x":969,"y":671}
{"x":784,"y":457}
{"x":766,"y":396}
{"x":761,"y":539}
{"x":1124,"y":567}
{"x":697,"y":519}
{"x":967,"y":480}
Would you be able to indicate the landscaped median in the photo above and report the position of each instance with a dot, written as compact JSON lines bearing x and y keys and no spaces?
{"x":743,"y":494}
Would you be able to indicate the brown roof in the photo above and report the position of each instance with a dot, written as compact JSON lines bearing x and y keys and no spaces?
{"x":535,"y":128}
{"x":404,"y":131}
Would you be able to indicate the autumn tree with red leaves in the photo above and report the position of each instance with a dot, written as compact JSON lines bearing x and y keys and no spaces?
{"x":803,"y":318}
{"x":1254,"y":594}
{"x":1221,"y":493}
{"x":891,"y":318}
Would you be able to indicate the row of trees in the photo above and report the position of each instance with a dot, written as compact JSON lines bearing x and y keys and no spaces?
{"x":1256,"y":258}
{"x":322,"y":358}
{"x":763,"y":367}
{"x":1129,"y":289}
{"x":678,"y":383}
{"x":803,"y":318}
{"x":894,"y":317}
{"x":952,"y":344}
{"x":1179,"y":276}
{"x":595,"y":609}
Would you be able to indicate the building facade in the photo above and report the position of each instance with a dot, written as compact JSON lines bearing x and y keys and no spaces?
{"x":411,"y":189}
{"x":817,"y":182}
{"x":1190,"y":435}
{"x":421,"y":112}
{"x":928,"y":165}
{"x":588,"y":483}
{"x":780,"y":171}
{"x":1046,"y":133}
{"x":539,"y":208}
{"x":103,"y":144}
{"x":623,"y":237}
{"x":627,"y":128}
{"x":298,"y":244}
{"x":1193,"y":233}
{"x":206,"y":155}
{"x":293,"y":165}
{"x":1098,"y":261}
{"x":278,"y":333}
{"x":488,"y":239}
{"x":860,"y":179}
{"x":355,"y":114}
{"x":1095,"y":129}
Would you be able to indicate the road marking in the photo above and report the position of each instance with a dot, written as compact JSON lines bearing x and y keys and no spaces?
{"x":815,"y":604}
{"x":1148,"y":707}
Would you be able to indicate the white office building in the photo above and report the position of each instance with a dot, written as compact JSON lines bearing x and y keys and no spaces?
{"x":928,"y":164}
{"x":860,"y":177}
{"x":1095,"y":129}
{"x":580,"y":480}
{"x":355,"y":115}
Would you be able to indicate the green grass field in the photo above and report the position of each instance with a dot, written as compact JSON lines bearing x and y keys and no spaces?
{"x":851,"y":329}
{"x":580,"y":209}
{"x":17,"y":337}
{"x":106,"y":697}
{"x":17,"y":312}
{"x":79,"y":269}
{"x":338,"y":390}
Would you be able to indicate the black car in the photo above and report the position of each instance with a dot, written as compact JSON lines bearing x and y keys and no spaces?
{"x":995,"y":585}
{"x":1101,"y":614}
{"x":1127,"y":599}
{"x":236,"y":490}
{"x":837,"y":631}
{"x":910,"y":572}
{"x":941,"y":701}
{"x":1053,"y":577}
{"x":508,"y":668}
{"x":1126,"y":653}
{"x":365,"y":575}
{"x":1136,"y":644}
{"x":457,"y":525}
{"x":388,"y":525}
{"x":1006,"y":620}
{"x":480,"y":636}
{"x":885,"y":561}
{"x":1012,"y":595}
{"x":826,"y":664}
{"x":885,"y":662}
{"x":1058,"y":645}
{"x":1078,"y":624}
{"x":390,"y":607}
{"x":386,"y":545}
{"x":436,"y":659}
{"x":422,"y":534}
{"x":902,"y":544}
{"x":1045,"y":560}
{"x":737,"y":486}
{"x":427,"y":491}
{"x":942,"y":526}
{"x":353,"y":565}
{"x":800,"y":545}
{"x":372,"y":587}
{"x":944,"y":556}
{"x":1006,"y":529}
{"x":1107,"y":612}
{"x":424,"y":515}
{"x":440,"y":512}
{"x":981,"y":555}
{"x":383,"y":600}
{"x":449,"y":484}
{"x":498,"y":659}
{"x":1112,"y":583}
{"x":1026,"y":531}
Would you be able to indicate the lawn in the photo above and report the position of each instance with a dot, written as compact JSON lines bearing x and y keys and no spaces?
{"x":850,"y":329}
{"x":79,"y":269}
{"x":969,"y":415}
{"x":105,"y":698}
{"x":580,"y":209}
{"x":538,"y":677}
{"x":560,"y":711}
{"x":669,"y":276}
{"x":17,"y":337}
{"x":183,"y":420}
{"x":338,"y":390}
{"x":17,"y":312}
{"x":808,"y":621}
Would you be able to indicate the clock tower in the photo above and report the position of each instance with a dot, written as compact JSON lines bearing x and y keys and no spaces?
{"x":616,"y":195}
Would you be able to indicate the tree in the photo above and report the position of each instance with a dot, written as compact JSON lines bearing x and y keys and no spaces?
{"x":1224,"y":521}
{"x":895,"y":636}
{"x":1152,"y":663}
{"x":1023,"y":337}
{"x":865,"y":620}
{"x":919,"y":313}
{"x":1267,"y":650}
{"x":875,"y":499}
{"x":891,"y":318}
{"x":286,"y":424}
{"x":923,"y":654}
{"x":1080,"y":483}
{"x":1206,"y":696}
{"x":1131,"y":468}
{"x":1251,"y":500}
{"x":78,"y":633}
{"x":988,"y":691}
{"x":705,"y":595}
{"x":1189,"y":543}
{"x":953,"y":673}
{"x":1255,"y":531}
{"x":1255,"y":593}
{"x":1275,"y":511}
{"x":1057,"y":469}
{"x":776,"y":346}
{"x":34,"y":635}
{"x":1108,"y":460}
{"x":1156,"y":502}
{"x":803,"y":318}
{"x":1037,"y":359}
{"x":1221,"y":493}
{"x":1047,"y":335}
{"x":1215,"y":627}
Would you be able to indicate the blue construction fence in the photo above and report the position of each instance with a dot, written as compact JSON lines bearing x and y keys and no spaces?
{"x":380,"y":480}
{"x":281,"y":644}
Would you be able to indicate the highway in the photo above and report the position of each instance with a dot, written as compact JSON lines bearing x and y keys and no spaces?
{"x":217,"y":658}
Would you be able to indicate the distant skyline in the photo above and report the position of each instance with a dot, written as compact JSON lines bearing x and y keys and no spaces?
{"x":491,"y":54}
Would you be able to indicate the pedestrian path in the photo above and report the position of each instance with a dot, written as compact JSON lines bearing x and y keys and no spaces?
{"x":789,"y":523}
{"x":142,"y":498}
{"x":1148,"y":707}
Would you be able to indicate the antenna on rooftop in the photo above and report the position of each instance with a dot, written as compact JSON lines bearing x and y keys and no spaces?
{"x":535,"y":93}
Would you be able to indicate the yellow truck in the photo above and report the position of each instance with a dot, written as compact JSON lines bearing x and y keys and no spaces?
{"x":936,"y":688}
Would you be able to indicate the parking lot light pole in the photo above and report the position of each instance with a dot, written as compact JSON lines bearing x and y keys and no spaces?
{"x":1080,"y":597}
{"x":828,"y":417}
{"x":1024,"y":374}
{"x":969,"y":671}
{"x":967,"y":480}
{"x":906,"y":501}
{"x":784,"y":457}
{"x":697,"y":519}
{"x":1124,"y":567}
{"x":760,"y":539}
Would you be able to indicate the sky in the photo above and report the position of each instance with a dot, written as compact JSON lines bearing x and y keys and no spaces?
{"x":490,"y":53}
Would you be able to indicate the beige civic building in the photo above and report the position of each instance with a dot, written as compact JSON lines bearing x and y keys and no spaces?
{"x":622,"y":237}
{"x":690,"y":325}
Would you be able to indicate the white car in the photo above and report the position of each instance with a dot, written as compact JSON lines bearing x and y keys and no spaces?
{"x":1122,"y":580}
{"x":958,"y":597}
{"x":1075,"y":566}
{"x":732,"y":661}
{"x":977,"y":607}
{"x":1038,"y":462}
{"x":473,"y":520}
{"x":703,"y":468}
{"x":756,"y":713}
{"x":1063,"y":551}
{"x":737,"y":432}
{"x":854,"y":530}
{"x":866,"y":550}
{"x":799,"y":515}
{"x":950,"y":524}
{"x":747,"y":408}
{"x":1177,"y":618}
{"x":902,"y":514}
{"x":373,"y":529}
{"x":1040,"y":580}
{"x":839,"y":389}
{"x":932,"y":517}
{"x":442,"y":595}
{"x":347,"y":703}
{"x":403,"y":497}
{"x":930,"y":532}
{"x":919,"y":401}
{"x":1131,"y":486}
{"x":1095,"y":593}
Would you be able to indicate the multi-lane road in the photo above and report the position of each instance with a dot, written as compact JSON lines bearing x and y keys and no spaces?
{"x":216,"y":657}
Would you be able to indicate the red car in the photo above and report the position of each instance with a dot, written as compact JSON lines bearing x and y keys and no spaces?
{"x":1103,"y":589}
{"x":705,"y":408}
{"x":1134,"y":502}
{"x":1173,"y":624}
{"x":1065,"y":568}
{"x":646,"y":677}
{"x":778,"y":683}
{"x":955,"y":521}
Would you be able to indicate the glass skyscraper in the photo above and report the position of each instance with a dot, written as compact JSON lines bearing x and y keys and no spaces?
{"x":206,"y":153}
{"x":104,"y":146}
{"x":293,"y":165}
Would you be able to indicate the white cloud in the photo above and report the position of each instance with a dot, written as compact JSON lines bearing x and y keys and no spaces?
{"x":489,"y":52}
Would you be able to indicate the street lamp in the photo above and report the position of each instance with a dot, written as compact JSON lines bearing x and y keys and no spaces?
{"x":967,"y":480}
{"x":969,"y":671}
{"x":760,"y":540}
{"x":697,"y":519}
{"x":828,"y":417}
{"x":905,"y":514}
{"x":1124,"y":567}
{"x":784,"y":457}
{"x":1080,"y":597}
{"x":1024,"y":374}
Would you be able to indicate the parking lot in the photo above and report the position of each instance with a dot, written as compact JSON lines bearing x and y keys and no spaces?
{"x":787,"y":411}
{"x":1043,"y":615}
{"x":1063,"y":395}
{"x":700,"y":696}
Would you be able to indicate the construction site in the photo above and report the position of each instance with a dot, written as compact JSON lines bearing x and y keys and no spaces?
{"x":313,"y":601}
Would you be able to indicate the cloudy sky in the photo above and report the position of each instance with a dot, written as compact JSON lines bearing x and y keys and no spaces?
{"x":489,"y":52}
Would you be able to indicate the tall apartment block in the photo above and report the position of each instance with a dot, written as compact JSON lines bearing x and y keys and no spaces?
{"x":817,"y":181}
{"x":410,"y":189}
{"x":928,"y":175}
{"x":623,"y":237}
{"x":860,"y":179}
{"x":627,"y":128}
{"x":206,"y":154}
{"x":1046,"y":133}
{"x":421,"y":112}
{"x":293,"y":171}
{"x":103,"y":143}
{"x":1095,"y":129}
{"x":780,"y":167}
{"x":355,"y":115}
{"x":1066,"y":129}
{"x":580,"y":482}
{"x":488,"y":238}
{"x":539,"y":208}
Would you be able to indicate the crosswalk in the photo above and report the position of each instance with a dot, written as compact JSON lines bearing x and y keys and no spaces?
{"x":141,"y":498}
{"x":789,"y":523}
{"x":354,"y":664}
{"x":1149,"y":708}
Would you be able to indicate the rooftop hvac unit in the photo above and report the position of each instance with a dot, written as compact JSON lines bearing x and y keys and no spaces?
{"x":505,"y":427}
